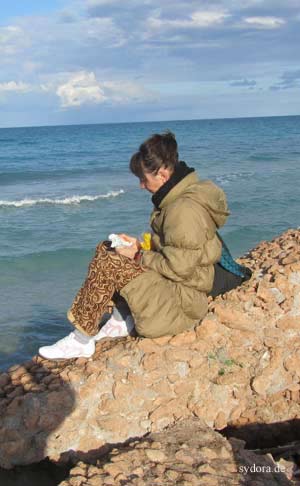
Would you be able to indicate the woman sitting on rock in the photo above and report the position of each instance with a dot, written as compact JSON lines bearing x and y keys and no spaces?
{"x":166,"y":288}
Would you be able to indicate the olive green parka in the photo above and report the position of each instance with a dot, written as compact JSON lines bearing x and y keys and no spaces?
{"x":171,"y":295}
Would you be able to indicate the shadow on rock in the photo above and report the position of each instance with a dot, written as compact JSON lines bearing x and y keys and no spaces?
{"x":265,"y":436}
{"x":43,"y":473}
{"x":188,"y":452}
{"x":277,"y":443}
{"x":34,"y":402}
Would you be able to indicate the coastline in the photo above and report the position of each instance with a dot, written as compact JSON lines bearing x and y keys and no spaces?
{"x":245,"y":352}
{"x":75,"y":180}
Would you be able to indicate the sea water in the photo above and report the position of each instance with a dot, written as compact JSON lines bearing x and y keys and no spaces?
{"x":65,"y":188}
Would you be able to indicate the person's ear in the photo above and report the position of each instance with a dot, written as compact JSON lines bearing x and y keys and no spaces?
{"x":164,"y":174}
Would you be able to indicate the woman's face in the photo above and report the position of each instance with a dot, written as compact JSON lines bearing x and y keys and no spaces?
{"x":154,"y":181}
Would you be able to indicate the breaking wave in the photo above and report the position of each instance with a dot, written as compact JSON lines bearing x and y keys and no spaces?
{"x":66,"y":201}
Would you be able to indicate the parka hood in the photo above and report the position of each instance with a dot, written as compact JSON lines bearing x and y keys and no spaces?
{"x":208,"y":194}
{"x":213,"y":199}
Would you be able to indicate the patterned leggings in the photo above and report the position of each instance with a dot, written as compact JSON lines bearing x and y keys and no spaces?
{"x":108,"y":273}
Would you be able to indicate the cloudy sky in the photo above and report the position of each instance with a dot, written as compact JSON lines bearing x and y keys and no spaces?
{"x":97,"y":61}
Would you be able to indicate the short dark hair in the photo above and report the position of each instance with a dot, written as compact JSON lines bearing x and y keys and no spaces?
{"x":160,"y":150}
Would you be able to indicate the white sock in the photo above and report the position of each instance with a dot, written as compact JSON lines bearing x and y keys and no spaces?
{"x":120,"y":314}
{"x":82,"y":338}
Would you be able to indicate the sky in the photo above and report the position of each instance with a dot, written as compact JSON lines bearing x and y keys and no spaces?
{"x":106,"y":61}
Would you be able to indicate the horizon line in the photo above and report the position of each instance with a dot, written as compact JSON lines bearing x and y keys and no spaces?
{"x":148,"y":121}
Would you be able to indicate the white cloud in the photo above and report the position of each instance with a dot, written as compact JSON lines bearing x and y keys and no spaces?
{"x":12,"y":40}
{"x":106,"y":53}
{"x":206,"y":19}
{"x":50,"y":40}
{"x":94,"y":4}
{"x":264,"y":22}
{"x":99,"y":3}
{"x":14,"y":87}
{"x":243,"y":83}
{"x":199,"y":18}
{"x":127,"y":92}
{"x":81,"y":88}
{"x":102,"y":29}
{"x":30,"y":67}
{"x":84,"y":88}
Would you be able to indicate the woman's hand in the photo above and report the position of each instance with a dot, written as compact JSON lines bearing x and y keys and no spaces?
{"x":128,"y":251}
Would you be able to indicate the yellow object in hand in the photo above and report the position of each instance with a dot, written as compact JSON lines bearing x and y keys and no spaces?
{"x":146,"y":243}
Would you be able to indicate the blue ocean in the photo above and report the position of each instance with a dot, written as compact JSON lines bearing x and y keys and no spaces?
{"x":65,"y":188}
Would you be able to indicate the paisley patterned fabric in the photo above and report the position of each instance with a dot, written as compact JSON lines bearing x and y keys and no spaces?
{"x":108,"y":273}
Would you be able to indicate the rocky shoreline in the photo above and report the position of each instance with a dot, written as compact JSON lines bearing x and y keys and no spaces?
{"x":239,"y":368}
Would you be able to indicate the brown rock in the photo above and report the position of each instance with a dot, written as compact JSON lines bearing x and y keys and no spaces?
{"x":178,"y":354}
{"x":183,"y":338}
{"x":155,"y":455}
{"x":120,"y":390}
{"x":172,"y":475}
{"x":184,"y":457}
{"x":292,"y":363}
{"x":48,"y":379}
{"x":112,"y":469}
{"x":138,"y":471}
{"x":233,"y":318}
{"x":13,"y":368}
{"x":273,"y":377}
{"x":14,"y":448}
{"x":220,"y":421}
{"x":206,"y":469}
{"x":148,"y":345}
{"x":184,"y":388}
{"x":125,"y":361}
{"x":18,"y":391}
{"x":292,"y":258}
{"x":54,"y":385}
{"x":239,"y":364}
{"x":151,"y":361}
{"x":4,"y":379}
{"x":81,"y":361}
{"x":264,"y":292}
{"x":115,"y":427}
{"x":207,"y":328}
{"x":93,"y":367}
{"x":25,"y":379}
{"x":288,"y":322}
{"x":196,"y":361}
{"x":163,"y":340}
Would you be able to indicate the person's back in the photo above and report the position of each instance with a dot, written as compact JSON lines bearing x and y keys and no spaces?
{"x":186,"y":214}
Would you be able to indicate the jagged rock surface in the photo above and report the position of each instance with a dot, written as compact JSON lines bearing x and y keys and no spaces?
{"x":188,"y":454}
{"x":240,"y":365}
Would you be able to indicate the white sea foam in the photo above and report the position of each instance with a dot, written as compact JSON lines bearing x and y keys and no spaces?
{"x":65,"y":201}
{"x":225,"y":179}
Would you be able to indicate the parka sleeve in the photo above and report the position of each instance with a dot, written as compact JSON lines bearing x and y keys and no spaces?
{"x":185,"y":235}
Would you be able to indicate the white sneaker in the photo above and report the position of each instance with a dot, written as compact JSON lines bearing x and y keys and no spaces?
{"x":115,"y":328}
{"x":67,"y":348}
